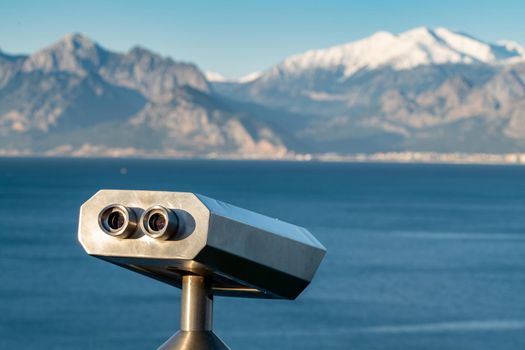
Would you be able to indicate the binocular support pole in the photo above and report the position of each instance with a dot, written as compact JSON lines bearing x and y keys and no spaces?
{"x":196,"y":319}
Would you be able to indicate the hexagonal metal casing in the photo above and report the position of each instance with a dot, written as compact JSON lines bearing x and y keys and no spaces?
{"x":243,"y":253}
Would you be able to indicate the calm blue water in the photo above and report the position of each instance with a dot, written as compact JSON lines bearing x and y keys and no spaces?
{"x":419,"y":256}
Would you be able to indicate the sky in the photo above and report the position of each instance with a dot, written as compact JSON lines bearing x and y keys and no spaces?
{"x":235,"y":38}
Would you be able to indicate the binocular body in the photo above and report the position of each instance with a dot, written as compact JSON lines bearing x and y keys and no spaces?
{"x":242,"y":252}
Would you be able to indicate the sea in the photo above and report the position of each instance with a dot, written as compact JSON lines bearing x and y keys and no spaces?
{"x":419,"y":256}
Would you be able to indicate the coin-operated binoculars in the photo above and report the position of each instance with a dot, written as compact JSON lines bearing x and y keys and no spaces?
{"x":201,"y":245}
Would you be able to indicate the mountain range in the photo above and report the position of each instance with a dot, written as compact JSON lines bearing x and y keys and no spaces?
{"x":77,"y":98}
{"x":424,"y":90}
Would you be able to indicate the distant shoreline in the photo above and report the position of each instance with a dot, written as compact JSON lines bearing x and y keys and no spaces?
{"x":380,"y":157}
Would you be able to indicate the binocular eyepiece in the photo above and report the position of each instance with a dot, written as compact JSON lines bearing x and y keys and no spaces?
{"x":157,"y":221}
{"x":160,"y":223}
{"x":117,"y":220}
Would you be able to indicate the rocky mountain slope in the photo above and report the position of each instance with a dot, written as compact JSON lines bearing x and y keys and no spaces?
{"x":75,"y":97}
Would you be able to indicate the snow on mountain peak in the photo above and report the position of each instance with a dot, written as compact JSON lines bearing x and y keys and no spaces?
{"x":416,"y":47}
{"x":249,"y":77}
{"x":512,"y":46}
{"x":214,"y":76}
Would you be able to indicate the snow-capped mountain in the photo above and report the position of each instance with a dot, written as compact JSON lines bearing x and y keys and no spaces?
{"x":423,"y":89}
{"x":416,"y":47}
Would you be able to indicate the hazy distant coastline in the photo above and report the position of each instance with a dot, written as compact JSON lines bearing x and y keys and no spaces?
{"x":380,"y":157}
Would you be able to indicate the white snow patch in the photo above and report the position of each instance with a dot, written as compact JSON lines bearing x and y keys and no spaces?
{"x":416,"y":47}
{"x":512,"y":46}
{"x":214,"y":76}
{"x":249,"y":77}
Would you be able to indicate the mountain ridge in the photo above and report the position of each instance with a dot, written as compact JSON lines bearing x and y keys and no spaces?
{"x":419,"y":46}
{"x":423,"y":90}
{"x":77,"y":97}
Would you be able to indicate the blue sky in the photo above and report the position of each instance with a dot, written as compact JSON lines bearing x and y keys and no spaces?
{"x":239,"y":37}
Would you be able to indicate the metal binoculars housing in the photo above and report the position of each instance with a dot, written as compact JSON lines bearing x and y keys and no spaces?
{"x":201,"y":245}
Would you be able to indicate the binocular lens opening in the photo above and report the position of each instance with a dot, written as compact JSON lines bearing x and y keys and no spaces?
{"x":116,"y":220}
{"x":157,"y":222}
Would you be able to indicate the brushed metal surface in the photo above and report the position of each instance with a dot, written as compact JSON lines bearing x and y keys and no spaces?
{"x":196,"y":304}
{"x":205,"y":340}
{"x":196,"y":318}
{"x":241,"y":253}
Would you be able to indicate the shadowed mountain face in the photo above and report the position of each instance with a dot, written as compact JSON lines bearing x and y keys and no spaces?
{"x":422,"y":90}
{"x":78,"y":98}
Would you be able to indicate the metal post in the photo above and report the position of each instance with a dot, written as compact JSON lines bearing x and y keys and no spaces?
{"x":196,"y":304}
{"x":196,"y":318}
